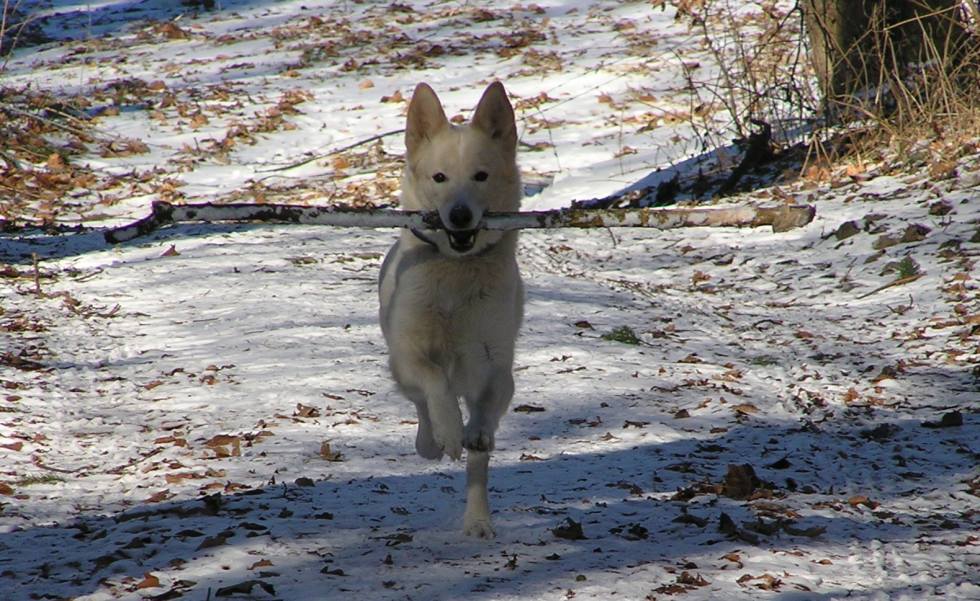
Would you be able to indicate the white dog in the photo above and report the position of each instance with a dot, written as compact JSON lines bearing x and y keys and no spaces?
{"x":452,"y":300}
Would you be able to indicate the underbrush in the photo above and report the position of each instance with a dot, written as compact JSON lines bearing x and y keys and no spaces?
{"x":899,"y":116}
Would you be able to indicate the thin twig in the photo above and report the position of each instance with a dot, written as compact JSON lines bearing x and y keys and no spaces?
{"x":37,"y":276}
{"x":898,"y":282}
{"x":333,"y":152}
{"x":82,"y":134}
{"x":11,"y":161}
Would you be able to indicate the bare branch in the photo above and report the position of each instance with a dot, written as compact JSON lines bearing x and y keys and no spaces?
{"x":781,"y":218}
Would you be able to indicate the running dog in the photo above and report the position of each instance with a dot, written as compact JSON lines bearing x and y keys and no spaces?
{"x":452,"y":299}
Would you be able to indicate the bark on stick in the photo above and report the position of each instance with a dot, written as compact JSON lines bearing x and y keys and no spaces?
{"x":781,"y":218}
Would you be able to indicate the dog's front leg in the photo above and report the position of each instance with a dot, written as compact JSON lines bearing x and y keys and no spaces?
{"x":446,"y":421}
{"x":476,"y":520}
{"x":440,"y":411}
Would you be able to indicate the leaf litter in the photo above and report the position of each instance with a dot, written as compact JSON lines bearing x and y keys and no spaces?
{"x":840,"y":460}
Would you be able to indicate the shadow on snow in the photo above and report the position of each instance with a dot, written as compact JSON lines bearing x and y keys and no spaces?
{"x":398,"y":535}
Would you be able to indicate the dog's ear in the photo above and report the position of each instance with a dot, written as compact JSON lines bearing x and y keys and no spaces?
{"x":495,"y":116}
{"x":425,"y":117}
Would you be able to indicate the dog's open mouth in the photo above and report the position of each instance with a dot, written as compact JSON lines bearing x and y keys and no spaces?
{"x":461,"y":240}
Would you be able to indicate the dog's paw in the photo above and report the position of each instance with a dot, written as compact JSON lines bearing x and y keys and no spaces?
{"x":449,"y":441}
{"x":477,"y":439}
{"x":426,"y":446}
{"x":478,"y":527}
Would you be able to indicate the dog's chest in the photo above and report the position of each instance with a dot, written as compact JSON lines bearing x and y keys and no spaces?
{"x":454,"y":292}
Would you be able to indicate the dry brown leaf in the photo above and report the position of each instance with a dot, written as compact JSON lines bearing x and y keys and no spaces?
{"x":262,"y":563}
{"x":328,"y":454}
{"x":306,"y":411}
{"x":149,"y":581}
{"x":181,"y":476}
{"x":157,"y":497}
{"x":858,"y":500}
{"x":396,"y":97}
{"x":55,"y":162}
{"x":225,"y":445}
{"x":198,"y":121}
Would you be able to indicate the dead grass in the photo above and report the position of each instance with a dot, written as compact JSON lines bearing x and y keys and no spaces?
{"x":905,"y":115}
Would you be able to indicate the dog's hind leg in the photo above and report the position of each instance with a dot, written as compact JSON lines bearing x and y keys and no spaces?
{"x":476,"y":520}
{"x":486,"y":411}
{"x":478,"y":438}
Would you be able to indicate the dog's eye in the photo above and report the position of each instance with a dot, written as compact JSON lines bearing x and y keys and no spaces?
{"x":480,"y":176}
{"x":439,"y":177}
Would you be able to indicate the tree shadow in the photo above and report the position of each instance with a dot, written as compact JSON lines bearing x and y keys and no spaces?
{"x":20,"y":248}
{"x":66,"y":20}
{"x":396,"y":535}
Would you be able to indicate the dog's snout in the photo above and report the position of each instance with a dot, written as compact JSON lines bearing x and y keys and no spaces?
{"x":460,"y":216}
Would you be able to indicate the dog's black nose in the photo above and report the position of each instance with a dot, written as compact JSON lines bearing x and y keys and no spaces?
{"x":460,"y":216}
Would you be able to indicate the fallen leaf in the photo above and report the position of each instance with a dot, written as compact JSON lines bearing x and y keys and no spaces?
{"x":396,"y":97}
{"x":149,"y":581}
{"x":569,"y":530}
{"x":262,"y":563}
{"x":745,"y":409}
{"x":948,"y":420}
{"x":216,"y":541}
{"x":696,"y":580}
{"x":225,"y":445}
{"x":245,"y":588}
{"x":328,"y":454}
{"x":306,"y":411}
{"x":180,"y":477}
{"x":858,"y":500}
{"x":157,"y":497}
{"x":740,"y":481}
{"x":55,"y":162}
{"x":765,"y":582}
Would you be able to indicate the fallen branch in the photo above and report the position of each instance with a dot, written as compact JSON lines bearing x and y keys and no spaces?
{"x":333,"y":152}
{"x":781,"y":218}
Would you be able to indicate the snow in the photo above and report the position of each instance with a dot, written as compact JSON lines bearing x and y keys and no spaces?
{"x":166,"y":403}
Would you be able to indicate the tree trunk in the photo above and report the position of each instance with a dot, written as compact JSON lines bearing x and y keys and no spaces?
{"x":862,"y":45}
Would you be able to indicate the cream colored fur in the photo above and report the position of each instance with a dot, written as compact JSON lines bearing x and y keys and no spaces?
{"x":450,"y":313}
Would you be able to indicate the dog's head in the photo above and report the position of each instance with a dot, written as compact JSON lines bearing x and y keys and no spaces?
{"x":461,"y":171}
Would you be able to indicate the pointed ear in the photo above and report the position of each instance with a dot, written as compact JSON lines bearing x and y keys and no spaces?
{"x":425,"y":117}
{"x":495,"y":116}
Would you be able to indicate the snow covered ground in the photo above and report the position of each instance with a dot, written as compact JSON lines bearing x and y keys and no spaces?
{"x":206,"y":412}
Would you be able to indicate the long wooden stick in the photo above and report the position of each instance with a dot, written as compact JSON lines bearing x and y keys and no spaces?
{"x":781,"y":218}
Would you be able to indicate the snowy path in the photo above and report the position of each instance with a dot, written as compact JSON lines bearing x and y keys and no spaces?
{"x":267,"y":336}
{"x":206,"y":412}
